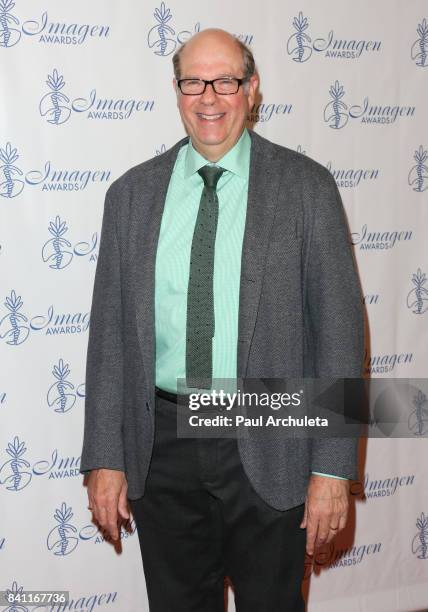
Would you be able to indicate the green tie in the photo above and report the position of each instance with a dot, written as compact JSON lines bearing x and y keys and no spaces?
{"x":200,"y":293}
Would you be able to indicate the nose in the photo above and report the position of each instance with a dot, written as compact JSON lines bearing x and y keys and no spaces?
{"x":209,"y":95}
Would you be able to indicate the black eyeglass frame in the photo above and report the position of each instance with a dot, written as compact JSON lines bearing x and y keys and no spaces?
{"x":239,"y":81}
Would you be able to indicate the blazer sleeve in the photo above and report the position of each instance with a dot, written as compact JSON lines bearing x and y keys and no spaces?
{"x":102,"y":440}
{"x":334,"y":316}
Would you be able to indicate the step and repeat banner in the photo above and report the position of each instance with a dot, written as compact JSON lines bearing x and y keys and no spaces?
{"x":85,"y":93}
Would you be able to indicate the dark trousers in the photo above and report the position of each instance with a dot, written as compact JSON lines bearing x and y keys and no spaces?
{"x":200,"y":520}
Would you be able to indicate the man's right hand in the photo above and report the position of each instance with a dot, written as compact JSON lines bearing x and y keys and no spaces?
{"x":107,"y":495}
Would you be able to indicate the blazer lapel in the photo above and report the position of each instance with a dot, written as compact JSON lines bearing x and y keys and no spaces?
{"x":149,"y":222}
{"x":264,"y":182}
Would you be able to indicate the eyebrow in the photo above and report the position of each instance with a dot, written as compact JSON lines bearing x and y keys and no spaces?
{"x":221,"y":76}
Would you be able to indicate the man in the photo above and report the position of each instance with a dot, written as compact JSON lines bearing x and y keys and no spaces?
{"x":278,"y":298}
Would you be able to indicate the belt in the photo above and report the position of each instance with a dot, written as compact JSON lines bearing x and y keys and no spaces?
{"x":183,"y":400}
{"x":175,"y":398}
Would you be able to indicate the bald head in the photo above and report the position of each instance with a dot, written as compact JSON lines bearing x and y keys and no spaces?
{"x":214,"y":42}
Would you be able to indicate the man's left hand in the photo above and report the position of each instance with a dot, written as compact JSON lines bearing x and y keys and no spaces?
{"x":326,"y":510}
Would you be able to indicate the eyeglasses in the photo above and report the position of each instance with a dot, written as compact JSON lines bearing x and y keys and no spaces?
{"x":224,"y":86}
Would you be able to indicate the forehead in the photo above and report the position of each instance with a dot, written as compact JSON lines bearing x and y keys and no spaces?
{"x":211,"y":57}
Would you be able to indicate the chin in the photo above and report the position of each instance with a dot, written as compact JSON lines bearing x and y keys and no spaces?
{"x":210,"y":133}
{"x":208,"y":139}
{"x":212,"y":141}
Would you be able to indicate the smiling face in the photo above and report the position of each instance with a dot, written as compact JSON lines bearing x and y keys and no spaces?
{"x":214,"y":122}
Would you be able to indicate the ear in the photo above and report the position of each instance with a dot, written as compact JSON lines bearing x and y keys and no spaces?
{"x":252,"y":86}
{"x":176,"y":89}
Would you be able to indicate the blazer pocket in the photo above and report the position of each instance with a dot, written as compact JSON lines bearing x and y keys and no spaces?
{"x":284,"y":230}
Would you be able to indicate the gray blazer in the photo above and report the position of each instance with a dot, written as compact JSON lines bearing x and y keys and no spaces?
{"x":300,"y":314}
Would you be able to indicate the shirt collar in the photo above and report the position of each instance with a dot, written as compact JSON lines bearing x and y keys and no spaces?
{"x":236,"y":160}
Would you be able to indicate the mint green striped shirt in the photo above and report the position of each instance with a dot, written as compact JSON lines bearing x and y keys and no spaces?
{"x":173,"y":261}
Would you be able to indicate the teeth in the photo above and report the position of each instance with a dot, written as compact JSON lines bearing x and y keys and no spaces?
{"x":211,"y":116}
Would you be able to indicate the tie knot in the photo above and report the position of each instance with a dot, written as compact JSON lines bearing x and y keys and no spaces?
{"x":210,"y":175}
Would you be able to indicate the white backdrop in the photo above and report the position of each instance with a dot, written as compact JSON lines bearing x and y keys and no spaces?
{"x":85,"y":93}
